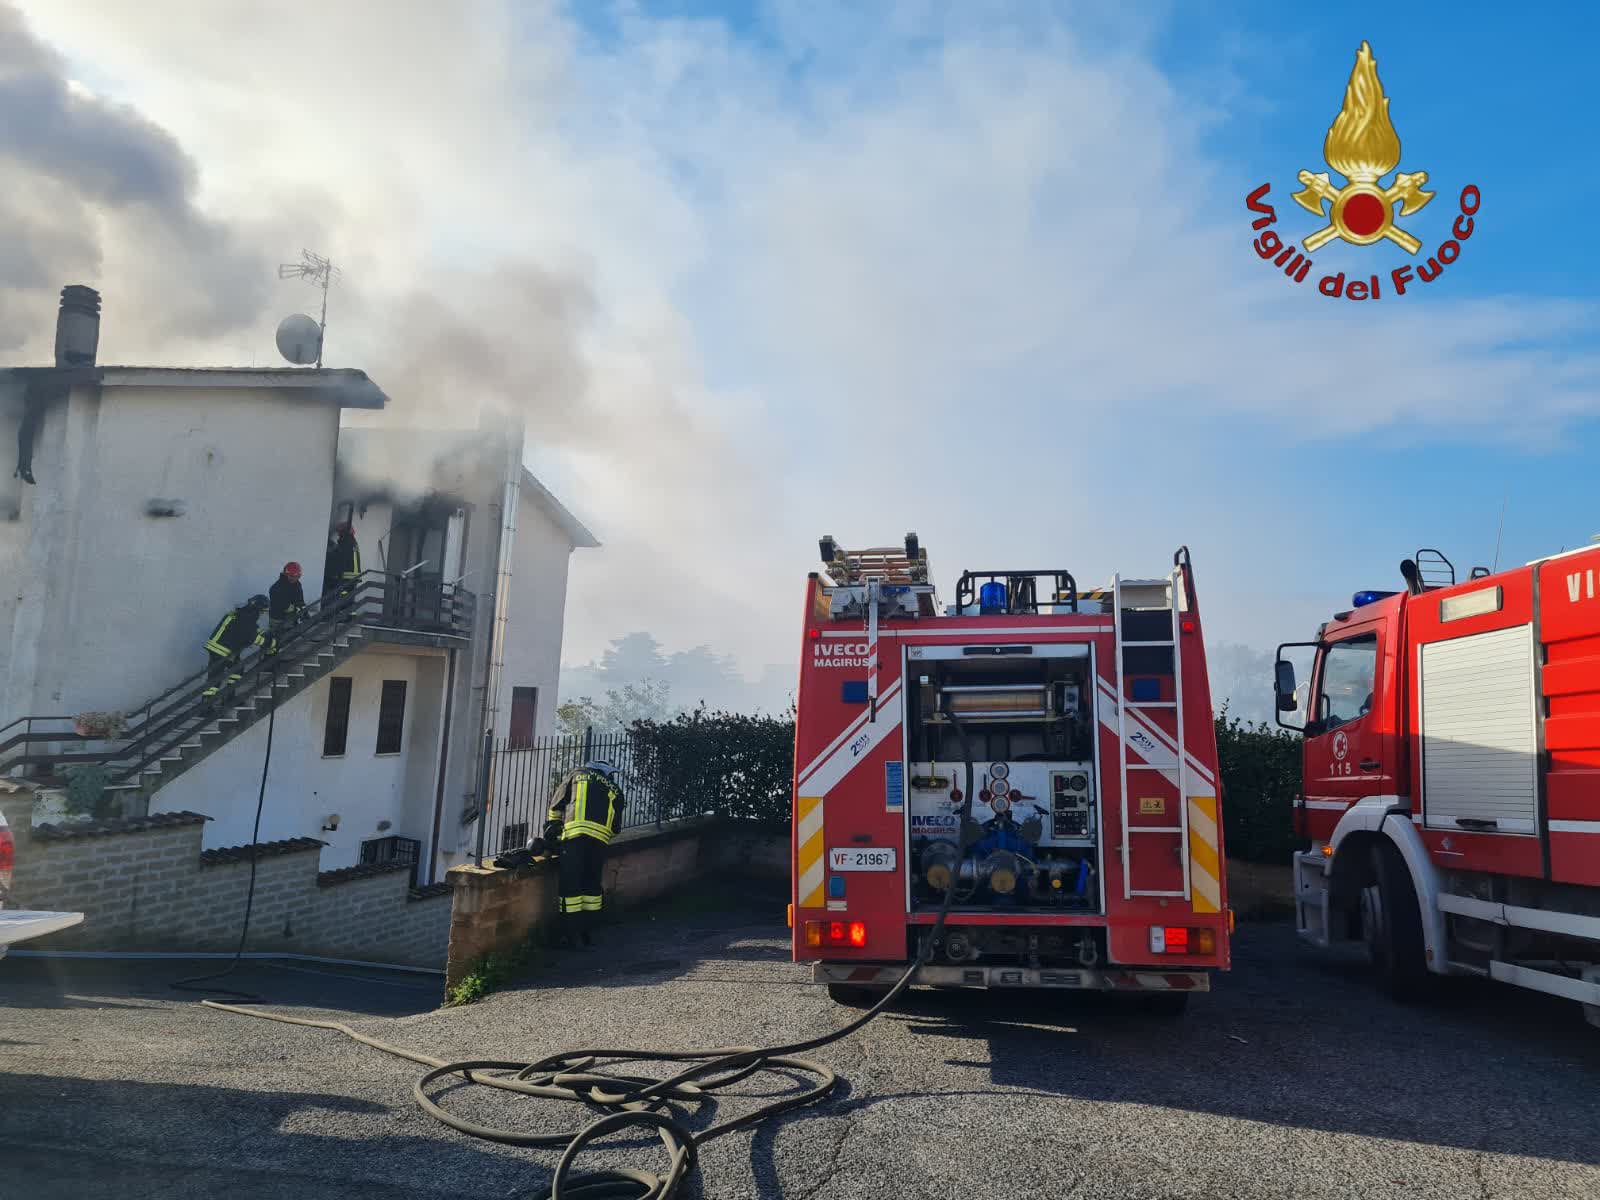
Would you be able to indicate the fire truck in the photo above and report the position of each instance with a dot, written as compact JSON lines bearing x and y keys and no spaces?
{"x":1452,"y":776}
{"x":1089,"y":851}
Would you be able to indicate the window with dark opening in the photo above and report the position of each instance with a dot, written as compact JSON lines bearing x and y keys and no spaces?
{"x":524,"y":711}
{"x":391,"y":716}
{"x":337,"y":729}
{"x":393,"y":850}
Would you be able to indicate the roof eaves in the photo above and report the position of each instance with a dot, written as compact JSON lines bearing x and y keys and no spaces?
{"x":344,"y":386}
{"x":577,"y":532}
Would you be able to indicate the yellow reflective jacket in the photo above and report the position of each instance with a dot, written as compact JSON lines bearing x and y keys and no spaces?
{"x":587,"y":804}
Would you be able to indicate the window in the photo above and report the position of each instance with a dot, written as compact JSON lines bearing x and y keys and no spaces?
{"x":1349,"y":674}
{"x":393,"y":850}
{"x":524,"y":711}
{"x":391,"y":716}
{"x":337,"y":729}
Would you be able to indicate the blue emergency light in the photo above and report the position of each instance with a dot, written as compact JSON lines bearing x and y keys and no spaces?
{"x":992,"y":598}
{"x":1362,"y":598}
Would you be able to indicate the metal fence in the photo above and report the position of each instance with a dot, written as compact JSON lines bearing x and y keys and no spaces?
{"x":523,"y":774}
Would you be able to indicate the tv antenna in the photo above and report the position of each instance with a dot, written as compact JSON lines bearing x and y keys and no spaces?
{"x":318,"y":270}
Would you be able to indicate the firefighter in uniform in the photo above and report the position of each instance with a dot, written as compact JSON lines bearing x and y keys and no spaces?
{"x":236,"y":631}
{"x":585,"y":812}
{"x":342,"y":567}
{"x":286,"y":604}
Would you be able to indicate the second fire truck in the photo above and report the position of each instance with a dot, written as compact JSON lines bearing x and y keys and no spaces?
{"x":1452,"y":776}
{"x":1089,"y":853}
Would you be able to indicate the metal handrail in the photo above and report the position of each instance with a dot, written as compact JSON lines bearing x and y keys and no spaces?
{"x":173,"y":711}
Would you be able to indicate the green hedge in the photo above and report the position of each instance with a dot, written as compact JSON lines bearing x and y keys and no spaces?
{"x":1260,"y":778}
{"x":730,"y":764}
{"x":743,"y":767}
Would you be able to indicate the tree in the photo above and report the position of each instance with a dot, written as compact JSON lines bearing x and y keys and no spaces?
{"x":646,"y":700}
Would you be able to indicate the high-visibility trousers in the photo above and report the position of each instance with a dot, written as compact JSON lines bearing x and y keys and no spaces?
{"x":581,"y":864}
{"x":223,"y":667}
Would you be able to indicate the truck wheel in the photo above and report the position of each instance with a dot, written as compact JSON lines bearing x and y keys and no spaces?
{"x":1391,"y":926}
{"x":855,"y":996}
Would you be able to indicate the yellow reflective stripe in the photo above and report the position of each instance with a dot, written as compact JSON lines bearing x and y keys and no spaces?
{"x":580,"y":799}
{"x":574,"y":829}
{"x":216,"y":649}
{"x":808,"y":862}
{"x":1205,"y":868}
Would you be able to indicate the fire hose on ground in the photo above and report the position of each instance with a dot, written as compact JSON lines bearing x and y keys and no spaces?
{"x":636,"y":1101}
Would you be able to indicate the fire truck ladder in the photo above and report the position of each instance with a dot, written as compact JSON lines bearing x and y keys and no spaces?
{"x":1172,"y":587}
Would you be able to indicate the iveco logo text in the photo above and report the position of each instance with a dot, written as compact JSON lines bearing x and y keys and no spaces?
{"x":842,"y":654}
{"x":1580,"y":584}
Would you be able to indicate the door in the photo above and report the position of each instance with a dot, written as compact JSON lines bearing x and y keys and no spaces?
{"x":1349,"y":739}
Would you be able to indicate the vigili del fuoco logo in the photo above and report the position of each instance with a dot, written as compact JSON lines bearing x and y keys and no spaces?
{"x":1363,"y":147}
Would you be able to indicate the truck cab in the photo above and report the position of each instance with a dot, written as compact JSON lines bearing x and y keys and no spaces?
{"x":1451,"y":776}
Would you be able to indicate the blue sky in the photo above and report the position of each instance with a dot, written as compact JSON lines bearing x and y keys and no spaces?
{"x":1480,"y":94}
{"x":978,"y":269}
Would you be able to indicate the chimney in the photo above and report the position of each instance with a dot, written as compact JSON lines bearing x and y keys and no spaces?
{"x":78,"y":326}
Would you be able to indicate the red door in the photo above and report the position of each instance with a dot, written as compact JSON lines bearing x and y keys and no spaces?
{"x":1350,"y":738}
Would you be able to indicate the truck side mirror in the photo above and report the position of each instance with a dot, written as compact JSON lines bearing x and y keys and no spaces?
{"x":1283,"y":684}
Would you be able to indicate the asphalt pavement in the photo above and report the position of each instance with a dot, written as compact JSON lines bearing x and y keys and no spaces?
{"x":1294,"y":1077}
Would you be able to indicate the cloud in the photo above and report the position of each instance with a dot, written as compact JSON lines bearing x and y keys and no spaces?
{"x":933,"y":272}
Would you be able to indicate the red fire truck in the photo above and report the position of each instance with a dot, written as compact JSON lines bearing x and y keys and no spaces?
{"x":1089,"y":854}
{"x":1452,"y":776}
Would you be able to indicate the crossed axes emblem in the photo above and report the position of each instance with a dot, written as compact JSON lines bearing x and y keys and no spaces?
{"x":1373,"y":215}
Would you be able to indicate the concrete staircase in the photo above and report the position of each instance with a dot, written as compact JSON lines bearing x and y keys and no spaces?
{"x":201,"y":734}
{"x":182,"y":727}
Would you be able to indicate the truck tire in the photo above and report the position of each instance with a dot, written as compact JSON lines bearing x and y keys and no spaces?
{"x":1391,"y":926}
{"x":855,"y":996}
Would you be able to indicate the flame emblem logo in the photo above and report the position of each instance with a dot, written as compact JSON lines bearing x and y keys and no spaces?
{"x":1362,"y":145}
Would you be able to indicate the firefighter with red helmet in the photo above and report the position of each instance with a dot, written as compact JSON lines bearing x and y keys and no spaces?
{"x":286,"y":604}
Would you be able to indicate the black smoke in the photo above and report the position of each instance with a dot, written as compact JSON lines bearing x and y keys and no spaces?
{"x":83,"y":176}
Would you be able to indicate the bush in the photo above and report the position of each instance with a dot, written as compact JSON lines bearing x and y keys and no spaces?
{"x":741,"y":766}
{"x":86,"y":792}
{"x":1260,"y":768}
{"x":729,"y":764}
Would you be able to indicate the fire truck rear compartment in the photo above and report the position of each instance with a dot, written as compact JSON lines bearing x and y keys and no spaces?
{"x":1032,"y":841}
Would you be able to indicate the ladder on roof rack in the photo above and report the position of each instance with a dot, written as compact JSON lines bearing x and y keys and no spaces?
{"x":907,"y":564}
{"x":1171,"y":586}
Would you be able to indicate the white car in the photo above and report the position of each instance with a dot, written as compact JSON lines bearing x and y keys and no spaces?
{"x":20,"y":924}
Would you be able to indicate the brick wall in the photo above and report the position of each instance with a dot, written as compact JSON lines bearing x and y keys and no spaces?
{"x":144,"y":884}
{"x":497,"y":910}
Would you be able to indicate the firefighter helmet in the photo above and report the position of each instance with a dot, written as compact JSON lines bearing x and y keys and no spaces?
{"x":292,"y":570}
{"x":600,"y":765}
{"x":258,"y":601}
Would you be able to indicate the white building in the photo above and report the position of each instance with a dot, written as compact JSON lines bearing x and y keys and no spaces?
{"x":164,"y":497}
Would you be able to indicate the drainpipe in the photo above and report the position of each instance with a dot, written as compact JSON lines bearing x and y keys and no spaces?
{"x":444,"y":762}
{"x":514,"y":435}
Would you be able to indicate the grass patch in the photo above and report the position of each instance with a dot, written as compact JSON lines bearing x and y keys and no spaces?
{"x":489,"y":974}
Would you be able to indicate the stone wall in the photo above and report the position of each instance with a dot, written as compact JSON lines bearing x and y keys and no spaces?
{"x":497,"y":910}
{"x":145,"y":884}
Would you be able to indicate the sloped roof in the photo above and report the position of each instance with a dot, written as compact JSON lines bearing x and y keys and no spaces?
{"x":577,"y":533}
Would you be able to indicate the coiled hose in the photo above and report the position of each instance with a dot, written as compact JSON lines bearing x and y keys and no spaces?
{"x":638,"y":1101}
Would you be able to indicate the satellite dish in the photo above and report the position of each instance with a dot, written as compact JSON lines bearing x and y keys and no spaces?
{"x":300,"y":339}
